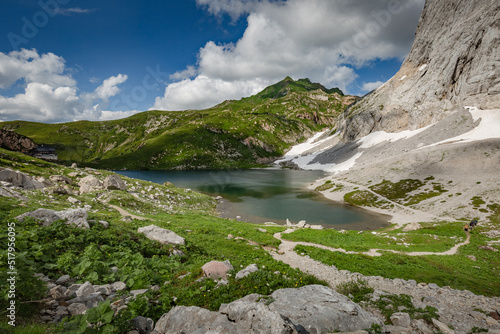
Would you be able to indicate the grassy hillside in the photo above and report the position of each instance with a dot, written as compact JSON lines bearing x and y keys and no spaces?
{"x":233,"y":134}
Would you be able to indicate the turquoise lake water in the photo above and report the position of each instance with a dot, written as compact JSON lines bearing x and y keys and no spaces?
{"x":268,"y":195}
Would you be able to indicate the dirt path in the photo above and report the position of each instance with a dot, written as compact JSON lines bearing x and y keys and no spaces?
{"x":452,"y":304}
{"x":125,"y":213}
{"x":372,"y":252}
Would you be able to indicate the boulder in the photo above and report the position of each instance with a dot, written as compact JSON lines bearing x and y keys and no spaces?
{"x":58,"y":292}
{"x":252,"y":316}
{"x":301,"y":224}
{"x":77,"y":309}
{"x":247,"y":271}
{"x":114,"y":182}
{"x":161,"y":235}
{"x":61,"y":179}
{"x":194,"y":320}
{"x":19,"y":179}
{"x":143,"y":325}
{"x":63,"y":279}
{"x":118,"y":286}
{"x":310,"y":309}
{"x":76,"y":217}
{"x":317,"y":227}
{"x":319,"y":309}
{"x":401,"y":319}
{"x":442,"y":327}
{"x":89,"y":183}
{"x":216,"y":269}
{"x":85,"y":290}
{"x":73,"y":200}
{"x":412,"y":227}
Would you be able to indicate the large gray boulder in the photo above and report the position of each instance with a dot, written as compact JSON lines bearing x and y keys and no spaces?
{"x":114,"y":182}
{"x":90,"y":183}
{"x":252,"y":316}
{"x":19,"y":179}
{"x":194,"y":320}
{"x":76,"y":217}
{"x":310,"y":309}
{"x":319,"y":309}
{"x":161,"y":235}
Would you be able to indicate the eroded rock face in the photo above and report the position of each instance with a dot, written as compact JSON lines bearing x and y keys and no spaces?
{"x":310,"y":309}
{"x":15,"y":142}
{"x":454,"y":62}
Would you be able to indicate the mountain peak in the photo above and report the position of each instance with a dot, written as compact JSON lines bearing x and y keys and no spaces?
{"x":288,"y":85}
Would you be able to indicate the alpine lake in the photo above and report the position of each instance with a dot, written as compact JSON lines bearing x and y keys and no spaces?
{"x":268,"y":195}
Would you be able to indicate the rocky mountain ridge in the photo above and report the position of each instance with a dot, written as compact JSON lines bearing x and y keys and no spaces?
{"x":234,"y":134}
{"x":454,"y":62}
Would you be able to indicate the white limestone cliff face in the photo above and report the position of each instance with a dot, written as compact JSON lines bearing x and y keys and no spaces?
{"x":454,"y":62}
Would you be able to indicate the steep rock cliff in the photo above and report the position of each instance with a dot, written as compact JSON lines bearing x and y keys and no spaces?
{"x":454,"y":62}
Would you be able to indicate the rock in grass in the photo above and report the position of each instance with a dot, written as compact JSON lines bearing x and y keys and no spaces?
{"x":412,"y":227}
{"x":89,"y":183}
{"x":114,"y":182}
{"x":161,"y":235}
{"x":19,"y":179}
{"x":217,"y":269}
{"x":76,"y":217}
{"x":247,"y":271}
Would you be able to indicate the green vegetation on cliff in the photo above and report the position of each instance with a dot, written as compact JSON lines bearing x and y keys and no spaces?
{"x":233,"y":134}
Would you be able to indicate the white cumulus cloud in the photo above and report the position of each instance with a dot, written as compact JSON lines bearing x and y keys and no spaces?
{"x":369,"y":86}
{"x":323,"y":40}
{"x":50,"y":93}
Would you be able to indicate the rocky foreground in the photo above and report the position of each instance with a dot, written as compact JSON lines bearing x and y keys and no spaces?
{"x":309,"y":309}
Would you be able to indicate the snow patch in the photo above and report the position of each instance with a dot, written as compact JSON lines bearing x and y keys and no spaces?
{"x":304,"y":147}
{"x":378,"y":137}
{"x":423,"y":67}
{"x":304,"y":163}
{"x":488,"y":128}
{"x":404,"y":77}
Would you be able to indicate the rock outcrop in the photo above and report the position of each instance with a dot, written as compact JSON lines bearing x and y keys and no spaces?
{"x":454,"y":62}
{"x":16,"y":142}
{"x":310,"y":309}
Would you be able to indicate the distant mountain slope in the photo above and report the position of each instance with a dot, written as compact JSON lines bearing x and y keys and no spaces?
{"x":454,"y":62}
{"x":233,"y":134}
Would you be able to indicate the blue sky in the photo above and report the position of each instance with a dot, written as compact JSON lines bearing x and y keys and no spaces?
{"x":65,"y":60}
